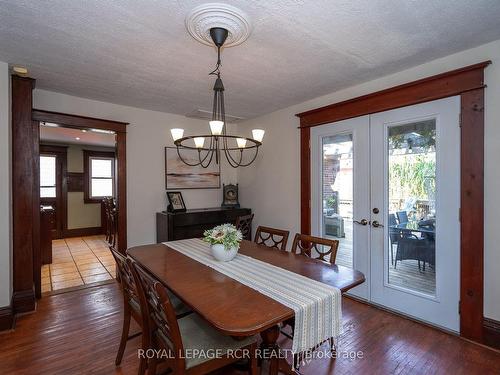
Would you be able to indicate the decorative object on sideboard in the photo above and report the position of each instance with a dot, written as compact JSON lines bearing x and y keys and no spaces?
{"x":179,"y":175}
{"x":176,"y":202}
{"x":224,"y":241}
{"x":230,"y":196}
{"x":239,"y":151}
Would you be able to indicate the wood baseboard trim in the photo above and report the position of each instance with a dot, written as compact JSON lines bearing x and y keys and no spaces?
{"x":491,"y":332}
{"x":23,"y":301}
{"x":82,"y":232}
{"x":6,"y":318}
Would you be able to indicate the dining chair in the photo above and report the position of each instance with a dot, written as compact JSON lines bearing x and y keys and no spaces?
{"x":244,"y":224}
{"x":402,"y":217}
{"x":177,"y":337}
{"x":131,"y":303}
{"x":271,"y":237}
{"x":106,"y":202}
{"x":315,"y":247}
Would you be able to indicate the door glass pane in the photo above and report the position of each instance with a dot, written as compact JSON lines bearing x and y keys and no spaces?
{"x":47,"y":176}
{"x":102,"y":187}
{"x":47,"y":170}
{"x":337,"y":180}
{"x":47,"y":192}
{"x":412,"y":206}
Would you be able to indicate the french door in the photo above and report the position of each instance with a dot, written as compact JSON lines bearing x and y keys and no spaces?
{"x":387,"y":187}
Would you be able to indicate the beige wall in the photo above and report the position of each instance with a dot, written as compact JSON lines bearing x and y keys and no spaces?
{"x":271,"y":187}
{"x":81,"y":214}
{"x":5,"y":205}
{"x":147,"y":135}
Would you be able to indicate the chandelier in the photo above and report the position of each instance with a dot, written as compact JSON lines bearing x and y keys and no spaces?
{"x":238,"y":151}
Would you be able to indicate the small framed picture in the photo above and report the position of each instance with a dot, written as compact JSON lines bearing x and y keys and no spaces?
{"x":176,"y":203}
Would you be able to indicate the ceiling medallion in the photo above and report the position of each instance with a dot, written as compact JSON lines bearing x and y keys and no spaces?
{"x":238,"y":151}
{"x":207,"y":16}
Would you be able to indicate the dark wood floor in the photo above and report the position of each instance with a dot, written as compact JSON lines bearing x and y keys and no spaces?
{"x":78,"y":333}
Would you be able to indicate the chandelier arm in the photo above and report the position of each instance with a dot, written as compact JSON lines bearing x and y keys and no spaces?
{"x":253,"y":159}
{"x":233,"y":163}
{"x":211,"y":152}
{"x":230,"y":158}
{"x":184,"y":161}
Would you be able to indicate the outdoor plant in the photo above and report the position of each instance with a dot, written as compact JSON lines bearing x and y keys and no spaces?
{"x":225,"y":234}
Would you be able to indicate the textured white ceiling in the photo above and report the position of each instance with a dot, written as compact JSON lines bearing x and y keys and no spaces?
{"x":139,"y":53}
{"x":69,"y":136}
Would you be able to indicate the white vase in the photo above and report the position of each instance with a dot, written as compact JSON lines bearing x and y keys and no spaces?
{"x":222,"y":254}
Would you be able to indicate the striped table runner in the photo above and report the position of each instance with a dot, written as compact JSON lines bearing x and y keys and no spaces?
{"x":317,"y":306}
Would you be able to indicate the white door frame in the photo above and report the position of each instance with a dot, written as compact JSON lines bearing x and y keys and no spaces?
{"x":359,"y":127}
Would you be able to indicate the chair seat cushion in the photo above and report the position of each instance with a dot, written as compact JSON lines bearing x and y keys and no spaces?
{"x":179,"y":307}
{"x":199,"y":335}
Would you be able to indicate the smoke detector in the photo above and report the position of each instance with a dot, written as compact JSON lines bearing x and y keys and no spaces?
{"x":207,"y":16}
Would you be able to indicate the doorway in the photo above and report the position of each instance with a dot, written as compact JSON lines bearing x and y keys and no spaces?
{"x":77,"y":181}
{"x":387,"y":187}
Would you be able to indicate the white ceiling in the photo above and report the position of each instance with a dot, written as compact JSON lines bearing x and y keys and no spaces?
{"x":139,"y":53}
{"x":69,"y":136}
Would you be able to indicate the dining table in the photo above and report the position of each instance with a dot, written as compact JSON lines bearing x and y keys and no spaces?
{"x":229,"y":306}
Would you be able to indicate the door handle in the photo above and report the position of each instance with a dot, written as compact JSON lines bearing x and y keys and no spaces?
{"x":362,"y":222}
{"x":376,"y":224}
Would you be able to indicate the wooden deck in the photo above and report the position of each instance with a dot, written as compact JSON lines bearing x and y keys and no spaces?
{"x":78,"y":333}
{"x":406,"y":274}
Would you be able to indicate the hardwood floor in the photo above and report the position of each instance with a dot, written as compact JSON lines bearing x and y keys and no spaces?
{"x":78,"y":333}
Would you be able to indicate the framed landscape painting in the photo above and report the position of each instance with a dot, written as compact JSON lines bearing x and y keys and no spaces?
{"x":181,"y":176}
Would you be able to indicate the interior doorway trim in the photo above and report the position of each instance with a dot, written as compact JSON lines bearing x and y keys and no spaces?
{"x":468,"y":82}
{"x":79,"y":122}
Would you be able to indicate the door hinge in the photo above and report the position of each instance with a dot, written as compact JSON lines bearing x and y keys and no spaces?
{"x":459,"y":214}
{"x":460,"y":120}
{"x":459,"y":307}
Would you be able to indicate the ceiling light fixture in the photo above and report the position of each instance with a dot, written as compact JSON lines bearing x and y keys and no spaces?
{"x":239,"y":151}
{"x":102,"y":131}
{"x":77,"y":138}
{"x":49,"y":124}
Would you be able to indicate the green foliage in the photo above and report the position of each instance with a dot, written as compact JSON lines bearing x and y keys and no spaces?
{"x":225,"y":234}
{"x":330,"y":202}
{"x":412,"y":176}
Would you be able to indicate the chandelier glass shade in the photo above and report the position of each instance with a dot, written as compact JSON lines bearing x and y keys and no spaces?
{"x":237,"y":150}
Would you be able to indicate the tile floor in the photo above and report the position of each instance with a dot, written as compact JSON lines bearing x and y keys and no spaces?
{"x":78,"y":261}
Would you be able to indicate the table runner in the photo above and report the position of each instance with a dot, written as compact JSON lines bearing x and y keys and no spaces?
{"x":317,"y":306}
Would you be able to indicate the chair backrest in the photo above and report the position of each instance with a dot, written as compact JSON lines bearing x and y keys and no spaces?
{"x":271,"y":237}
{"x":244,"y":224}
{"x":402,"y":217}
{"x":160,"y":325}
{"x":127,"y":280}
{"x":305,"y":245}
{"x":392,"y":219}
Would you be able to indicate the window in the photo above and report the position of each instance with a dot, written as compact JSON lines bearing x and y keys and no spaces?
{"x":99,"y":170}
{"x":47,"y":176}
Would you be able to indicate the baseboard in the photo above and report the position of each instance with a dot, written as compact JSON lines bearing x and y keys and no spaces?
{"x":6,"y":318}
{"x":23,"y":301}
{"x":491,"y":332}
{"x":82,"y":232}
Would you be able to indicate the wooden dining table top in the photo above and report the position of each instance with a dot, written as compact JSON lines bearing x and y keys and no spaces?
{"x":231,"y":307}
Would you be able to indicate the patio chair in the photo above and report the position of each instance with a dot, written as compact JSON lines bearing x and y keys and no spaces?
{"x":402,"y":217}
{"x":394,"y":235}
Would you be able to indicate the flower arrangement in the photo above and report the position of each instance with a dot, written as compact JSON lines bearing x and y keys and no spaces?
{"x":225,"y":234}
